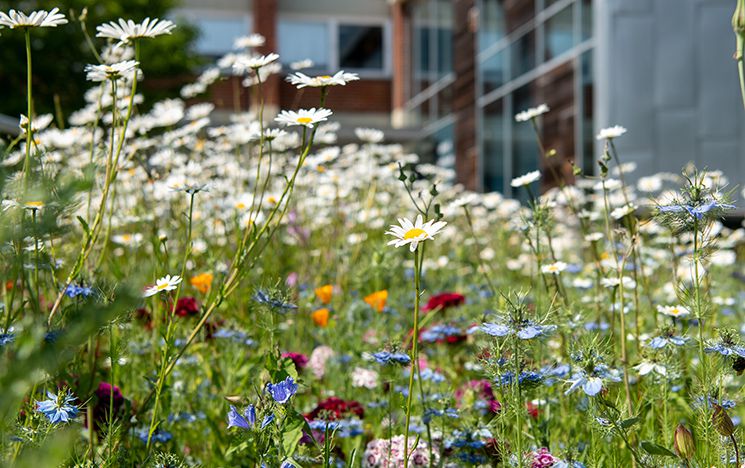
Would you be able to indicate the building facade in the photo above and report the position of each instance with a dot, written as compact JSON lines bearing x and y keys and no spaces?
{"x":447,"y":77}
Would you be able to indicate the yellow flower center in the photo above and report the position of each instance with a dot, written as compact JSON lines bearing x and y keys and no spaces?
{"x":34,"y":204}
{"x":325,"y":77}
{"x":414,"y":233}
{"x":126,"y":237}
{"x":240,"y":205}
{"x":304,"y":120}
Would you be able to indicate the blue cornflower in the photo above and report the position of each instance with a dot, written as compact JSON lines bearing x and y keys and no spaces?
{"x":263,"y":298}
{"x":58,"y":408}
{"x":386,"y":357}
{"x":74,"y":290}
{"x":698,"y":211}
{"x":282,"y":391}
{"x":525,"y":330}
{"x":659,"y":342}
{"x":245,"y":421}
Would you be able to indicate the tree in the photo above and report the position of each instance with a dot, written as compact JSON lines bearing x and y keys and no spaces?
{"x":60,"y":54}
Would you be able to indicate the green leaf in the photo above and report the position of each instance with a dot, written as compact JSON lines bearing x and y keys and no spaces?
{"x":627,"y":423}
{"x":654,"y":449}
{"x":292,"y":432}
{"x":85,"y":225}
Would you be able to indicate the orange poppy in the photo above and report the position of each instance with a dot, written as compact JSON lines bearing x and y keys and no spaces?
{"x":321,"y":317}
{"x":377,"y":300}
{"x":324,"y":293}
{"x":202,"y":282}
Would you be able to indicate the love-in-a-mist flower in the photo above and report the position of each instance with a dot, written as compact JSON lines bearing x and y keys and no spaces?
{"x":414,"y":233}
{"x":304,"y":117}
{"x":126,"y":30}
{"x":526,"y":179}
{"x":282,"y":391}
{"x":15,"y":19}
{"x":340,"y":78}
{"x":166,"y":283}
{"x":610,"y":132}
{"x":58,"y":408}
{"x":647,"y":367}
{"x":531,"y":113}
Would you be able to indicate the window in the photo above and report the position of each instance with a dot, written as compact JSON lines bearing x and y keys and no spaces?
{"x":300,"y":40}
{"x":216,"y":31}
{"x":559,"y":33}
{"x":360,"y":47}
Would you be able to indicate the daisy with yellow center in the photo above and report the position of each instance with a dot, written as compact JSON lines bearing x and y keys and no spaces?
{"x":166,"y":283}
{"x":34,"y":205}
{"x":305,"y":117}
{"x":414,"y":233}
{"x":673,"y":311}
{"x":341,"y":78}
{"x":554,"y":268}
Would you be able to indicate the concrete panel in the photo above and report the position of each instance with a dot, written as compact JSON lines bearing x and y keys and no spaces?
{"x":631,"y":6}
{"x":674,"y":80}
{"x":723,"y":155}
{"x":676,"y":140}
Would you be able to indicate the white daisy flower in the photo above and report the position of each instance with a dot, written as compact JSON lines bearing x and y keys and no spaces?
{"x":246,"y":62}
{"x":166,"y":283}
{"x":531,"y":113}
{"x":126,"y":69}
{"x":129,"y":240}
{"x":304,"y":117}
{"x":125,"y":31}
{"x":301,"y":64}
{"x":369,"y":135}
{"x":526,"y":179}
{"x":610,"y":132}
{"x":673,"y":311}
{"x":414,"y":233}
{"x":623,"y":211}
{"x":248,"y":42}
{"x":341,"y":78}
{"x":554,"y":268}
{"x":40,"y":18}
{"x":40,"y":123}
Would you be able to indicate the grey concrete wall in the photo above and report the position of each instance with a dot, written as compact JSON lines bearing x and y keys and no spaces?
{"x":664,"y":70}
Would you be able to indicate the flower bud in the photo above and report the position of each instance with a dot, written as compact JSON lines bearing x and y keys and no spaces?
{"x":722,"y":422}
{"x":685,"y":447}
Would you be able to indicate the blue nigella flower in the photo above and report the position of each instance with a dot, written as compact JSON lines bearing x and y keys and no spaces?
{"x":74,"y":290}
{"x":282,"y":392}
{"x":263,"y":298}
{"x":159,"y":436}
{"x":592,"y":384}
{"x":245,"y":421}
{"x":386,"y":357}
{"x":525,"y":331}
{"x":726,"y":349}
{"x":7,"y":338}
{"x":697,"y":212}
{"x":659,"y":342}
{"x":58,"y":408}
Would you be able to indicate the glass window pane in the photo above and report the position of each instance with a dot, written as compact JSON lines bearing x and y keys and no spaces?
{"x":586,"y":19}
{"x":493,"y":72}
{"x":522,"y":53}
{"x":216,"y":35}
{"x":559,"y":33}
{"x":300,"y":40}
{"x":360,"y":47}
{"x":493,"y":147}
{"x":492,"y":27}
{"x":444,"y":32}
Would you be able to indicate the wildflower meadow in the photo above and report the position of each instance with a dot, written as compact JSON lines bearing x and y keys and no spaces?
{"x":177,"y":293}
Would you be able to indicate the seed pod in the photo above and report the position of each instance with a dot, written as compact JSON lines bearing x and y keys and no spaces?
{"x":685,"y":447}
{"x":722,"y":422}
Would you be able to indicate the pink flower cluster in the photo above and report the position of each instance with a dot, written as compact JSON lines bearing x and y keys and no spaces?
{"x":542,"y":458}
{"x":377,"y":453}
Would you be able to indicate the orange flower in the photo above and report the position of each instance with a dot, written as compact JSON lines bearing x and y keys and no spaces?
{"x":321,"y":317}
{"x":324,"y":293}
{"x":377,"y":300}
{"x":202,"y":282}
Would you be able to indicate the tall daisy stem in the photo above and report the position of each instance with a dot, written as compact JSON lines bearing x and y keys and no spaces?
{"x":418,"y":255}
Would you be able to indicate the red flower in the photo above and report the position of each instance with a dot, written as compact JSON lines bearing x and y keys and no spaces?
{"x":533,"y":410}
{"x":444,"y":301}
{"x":108,"y":397}
{"x":186,"y":307}
{"x":333,"y":408}
{"x":300,"y":360}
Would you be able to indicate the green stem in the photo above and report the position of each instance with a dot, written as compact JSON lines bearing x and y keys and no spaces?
{"x":418,"y":255}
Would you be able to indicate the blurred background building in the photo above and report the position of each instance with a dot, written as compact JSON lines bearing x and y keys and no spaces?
{"x":447,"y":77}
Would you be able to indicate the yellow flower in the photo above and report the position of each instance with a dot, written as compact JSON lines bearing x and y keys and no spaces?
{"x":202,"y":282}
{"x":321,"y":317}
{"x":324,"y":293}
{"x":377,"y":300}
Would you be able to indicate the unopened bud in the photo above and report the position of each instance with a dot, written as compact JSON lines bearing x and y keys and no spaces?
{"x":738,"y":18}
{"x":722,"y":422}
{"x":685,"y":447}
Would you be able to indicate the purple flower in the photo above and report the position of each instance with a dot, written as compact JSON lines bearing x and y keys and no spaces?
{"x":245,"y":421}
{"x":282,"y":392}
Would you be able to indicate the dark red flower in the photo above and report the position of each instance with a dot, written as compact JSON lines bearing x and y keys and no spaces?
{"x":333,"y":408}
{"x":300,"y":360}
{"x":479,"y":389}
{"x":108,"y":397}
{"x":186,"y":307}
{"x":444,"y":301}
{"x":143,"y":316}
{"x":533,"y":410}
